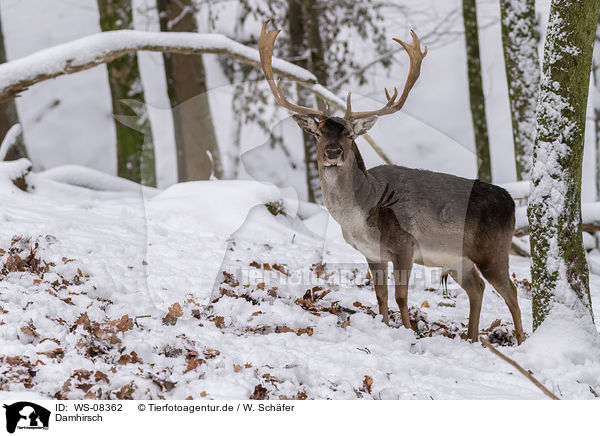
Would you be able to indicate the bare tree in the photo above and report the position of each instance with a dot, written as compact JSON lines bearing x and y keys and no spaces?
{"x":196,"y":142}
{"x":559,"y":268}
{"x":9,"y":116}
{"x":135,"y":149}
{"x":476,"y":96}
{"x":520,"y":42}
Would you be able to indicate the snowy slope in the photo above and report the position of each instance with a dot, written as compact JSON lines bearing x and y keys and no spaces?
{"x":112,"y":294}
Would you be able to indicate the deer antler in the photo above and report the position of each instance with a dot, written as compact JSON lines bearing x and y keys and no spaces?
{"x":416,"y":57}
{"x":265,"y":48}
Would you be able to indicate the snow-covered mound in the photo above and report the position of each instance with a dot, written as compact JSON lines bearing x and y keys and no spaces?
{"x":234,"y":290}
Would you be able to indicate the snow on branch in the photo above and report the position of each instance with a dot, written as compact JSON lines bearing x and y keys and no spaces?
{"x":590,"y":219}
{"x":91,"y":51}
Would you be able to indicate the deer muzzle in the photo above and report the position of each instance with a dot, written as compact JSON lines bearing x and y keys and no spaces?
{"x":333,"y":152}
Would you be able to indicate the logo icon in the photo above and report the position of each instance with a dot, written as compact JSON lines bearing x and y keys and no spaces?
{"x":26,"y":415}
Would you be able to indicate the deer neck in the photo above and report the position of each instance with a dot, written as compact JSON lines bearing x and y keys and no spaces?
{"x":348,"y":190}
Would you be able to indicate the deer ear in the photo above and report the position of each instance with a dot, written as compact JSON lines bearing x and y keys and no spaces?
{"x":362,"y":125}
{"x":306,"y":123}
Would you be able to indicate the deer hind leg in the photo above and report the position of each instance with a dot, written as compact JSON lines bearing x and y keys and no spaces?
{"x":402,"y":269}
{"x":466,"y":275}
{"x":497,"y":275}
{"x":379,"y":272}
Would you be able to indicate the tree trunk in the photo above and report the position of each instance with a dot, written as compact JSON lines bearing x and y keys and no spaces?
{"x":135,"y":148}
{"x":477,"y":99}
{"x":596,"y":102}
{"x":297,"y":22}
{"x":9,"y":116}
{"x":559,"y":269}
{"x":196,"y":142}
{"x":520,"y":43}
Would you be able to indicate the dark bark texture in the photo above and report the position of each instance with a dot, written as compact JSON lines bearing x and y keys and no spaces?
{"x":520,"y":43}
{"x":559,"y":268}
{"x":197,"y":149}
{"x":135,"y":147}
{"x":476,"y":96}
{"x":9,"y":116}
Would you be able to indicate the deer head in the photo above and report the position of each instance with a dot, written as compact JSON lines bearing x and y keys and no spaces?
{"x":336,"y":135}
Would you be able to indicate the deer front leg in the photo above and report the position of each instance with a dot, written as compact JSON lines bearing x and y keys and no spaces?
{"x":402,"y":268}
{"x":379,"y":274}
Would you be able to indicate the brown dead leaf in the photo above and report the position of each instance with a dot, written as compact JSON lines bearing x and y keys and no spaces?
{"x":219,"y":321}
{"x":210,"y":353}
{"x":193,"y":364}
{"x":203,"y":394}
{"x":175,"y":312}
{"x":99,"y":375}
{"x":282,"y":329}
{"x":189,"y":398}
{"x":425,"y":304}
{"x":368,"y":383}
{"x":30,"y":331}
{"x":237,"y":368}
{"x":15,"y":360}
{"x":260,"y":393}
{"x":90,"y":395}
{"x":84,"y":386}
{"x":281,"y":269}
{"x":81,"y":374}
{"x":129,"y":358}
{"x":57,"y":353}
{"x":124,"y":324}
{"x":126,"y":392}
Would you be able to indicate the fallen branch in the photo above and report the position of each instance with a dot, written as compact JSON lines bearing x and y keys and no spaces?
{"x":88,"y":52}
{"x":526,"y":373}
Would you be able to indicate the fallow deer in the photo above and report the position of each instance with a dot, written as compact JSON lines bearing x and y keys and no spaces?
{"x":403,"y":215}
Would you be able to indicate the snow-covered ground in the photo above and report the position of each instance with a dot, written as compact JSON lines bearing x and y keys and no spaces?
{"x":108,"y":291}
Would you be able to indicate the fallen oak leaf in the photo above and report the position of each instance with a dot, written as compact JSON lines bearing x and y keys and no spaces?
{"x":368,"y":383}
{"x":260,"y":393}
{"x":57,"y":353}
{"x":210,"y":353}
{"x":84,"y":386}
{"x":219,"y":321}
{"x":193,"y":364}
{"x":99,"y":375}
{"x":175,"y":312}
{"x":30,"y":331}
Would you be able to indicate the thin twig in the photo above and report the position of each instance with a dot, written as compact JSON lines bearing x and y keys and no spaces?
{"x":526,"y":373}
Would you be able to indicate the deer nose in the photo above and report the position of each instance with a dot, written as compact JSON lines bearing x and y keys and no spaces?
{"x":333,"y":151}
